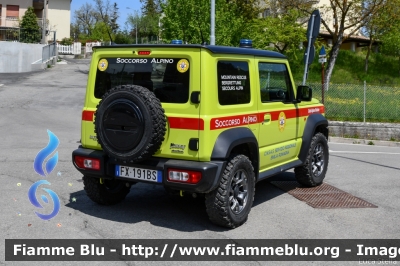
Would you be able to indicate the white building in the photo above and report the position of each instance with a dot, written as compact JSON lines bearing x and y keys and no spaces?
{"x":55,"y":12}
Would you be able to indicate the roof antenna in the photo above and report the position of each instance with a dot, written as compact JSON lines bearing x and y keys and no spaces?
{"x":201,"y":33}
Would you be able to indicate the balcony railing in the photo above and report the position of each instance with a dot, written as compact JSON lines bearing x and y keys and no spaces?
{"x":9,"y":21}
{"x":12,"y":18}
{"x":13,"y":22}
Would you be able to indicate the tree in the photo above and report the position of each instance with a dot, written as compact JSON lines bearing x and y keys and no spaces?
{"x":391,"y":42}
{"x":248,"y":9}
{"x":113,"y":19}
{"x":86,"y":18}
{"x":342,"y":19}
{"x":105,"y":12}
{"x":122,"y":37}
{"x":92,"y":21}
{"x":282,"y":31}
{"x":134,"y":20}
{"x":150,"y":7}
{"x":151,"y":12}
{"x":101,"y":31}
{"x":67,"y":41}
{"x":30,"y":32}
{"x":189,"y":20}
{"x":381,"y":25}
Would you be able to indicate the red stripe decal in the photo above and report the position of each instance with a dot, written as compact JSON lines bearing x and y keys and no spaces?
{"x":247,"y":119}
{"x":186,"y":123}
{"x":228,"y":121}
{"x":87,"y":115}
{"x":311,"y":110}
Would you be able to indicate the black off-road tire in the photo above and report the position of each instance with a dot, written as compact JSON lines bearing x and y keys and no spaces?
{"x":109,"y":193}
{"x":313,"y":171}
{"x":230,"y":203}
{"x":130,"y":123}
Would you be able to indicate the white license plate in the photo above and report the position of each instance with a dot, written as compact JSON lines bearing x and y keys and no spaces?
{"x":138,"y":173}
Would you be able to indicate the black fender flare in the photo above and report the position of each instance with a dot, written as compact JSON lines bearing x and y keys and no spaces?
{"x":231,"y":138}
{"x":313,"y":122}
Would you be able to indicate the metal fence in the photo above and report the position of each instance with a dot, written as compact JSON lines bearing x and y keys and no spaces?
{"x":363,"y":102}
{"x":48,"y":52}
{"x":20,"y":35}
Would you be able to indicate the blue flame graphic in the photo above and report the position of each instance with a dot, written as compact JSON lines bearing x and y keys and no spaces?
{"x":35,"y":202}
{"x":41,"y":156}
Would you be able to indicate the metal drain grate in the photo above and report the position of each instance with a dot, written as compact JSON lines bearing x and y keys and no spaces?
{"x":324,"y":196}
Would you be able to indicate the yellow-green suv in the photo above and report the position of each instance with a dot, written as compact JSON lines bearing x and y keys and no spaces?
{"x":200,"y":119}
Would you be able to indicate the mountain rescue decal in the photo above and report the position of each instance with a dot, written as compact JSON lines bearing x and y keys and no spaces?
{"x":183,"y":65}
{"x":233,"y":121}
{"x":282,"y":121}
{"x":103,"y":64}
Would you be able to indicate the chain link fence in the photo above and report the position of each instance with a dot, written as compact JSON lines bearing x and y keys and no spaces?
{"x":352,"y":102}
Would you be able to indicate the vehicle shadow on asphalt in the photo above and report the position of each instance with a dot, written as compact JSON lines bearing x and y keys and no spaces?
{"x":151,"y":203}
{"x":265,"y":191}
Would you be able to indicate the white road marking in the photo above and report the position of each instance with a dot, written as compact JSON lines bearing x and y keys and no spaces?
{"x":361,"y":144}
{"x":365,"y":152}
{"x":1,"y":85}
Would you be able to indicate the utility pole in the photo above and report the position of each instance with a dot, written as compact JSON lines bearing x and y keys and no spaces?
{"x":212,"y":15}
{"x":322,"y":60}
{"x":44,"y":26}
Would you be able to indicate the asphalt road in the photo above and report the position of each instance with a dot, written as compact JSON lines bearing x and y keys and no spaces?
{"x":53,"y":99}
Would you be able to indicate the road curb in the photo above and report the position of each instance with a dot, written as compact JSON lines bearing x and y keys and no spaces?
{"x":369,"y":131}
{"x":364,"y":142}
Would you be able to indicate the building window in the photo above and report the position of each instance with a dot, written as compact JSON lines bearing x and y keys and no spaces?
{"x":159,"y":75}
{"x":12,"y":12}
{"x":233,"y":82}
{"x":275,"y":84}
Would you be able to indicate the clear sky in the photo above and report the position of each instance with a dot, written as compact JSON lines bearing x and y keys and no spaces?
{"x":126,"y":7}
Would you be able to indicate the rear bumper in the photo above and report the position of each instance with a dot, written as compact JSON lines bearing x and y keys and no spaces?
{"x":210,"y":171}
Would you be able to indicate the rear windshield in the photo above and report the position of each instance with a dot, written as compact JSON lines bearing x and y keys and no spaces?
{"x":168,"y":78}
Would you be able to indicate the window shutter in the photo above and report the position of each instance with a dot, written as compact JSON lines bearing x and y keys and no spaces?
{"x":12,"y":11}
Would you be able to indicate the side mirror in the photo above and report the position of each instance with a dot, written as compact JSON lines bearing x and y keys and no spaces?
{"x":304,"y":93}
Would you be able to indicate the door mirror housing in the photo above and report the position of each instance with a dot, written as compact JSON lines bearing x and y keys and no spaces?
{"x":304,"y":93}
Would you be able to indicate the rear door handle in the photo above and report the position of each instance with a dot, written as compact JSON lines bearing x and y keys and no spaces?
{"x":267,"y":118}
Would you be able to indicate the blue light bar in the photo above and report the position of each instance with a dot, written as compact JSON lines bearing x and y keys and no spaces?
{"x":246,"y":43}
{"x":176,"y":42}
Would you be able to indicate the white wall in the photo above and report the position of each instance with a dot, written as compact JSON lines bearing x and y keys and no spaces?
{"x":18,"y":57}
{"x":327,"y":14}
{"x":59,"y":18}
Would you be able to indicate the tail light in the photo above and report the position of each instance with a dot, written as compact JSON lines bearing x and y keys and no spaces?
{"x":87,"y":115}
{"x":183,"y":176}
{"x":144,"y":52}
{"x":87,"y":163}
